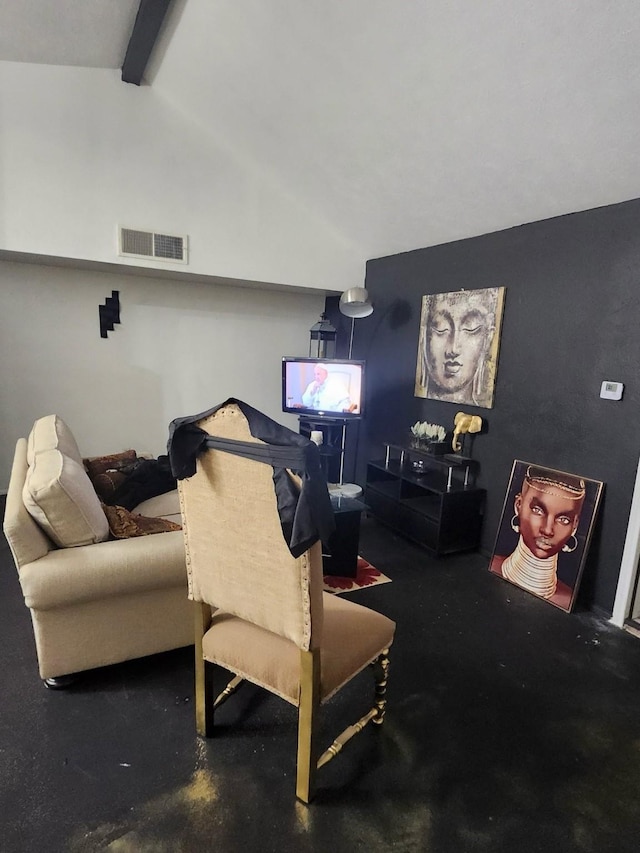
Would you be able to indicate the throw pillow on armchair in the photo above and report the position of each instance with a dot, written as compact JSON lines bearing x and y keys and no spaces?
{"x":145,"y":478}
{"x":107,"y":473}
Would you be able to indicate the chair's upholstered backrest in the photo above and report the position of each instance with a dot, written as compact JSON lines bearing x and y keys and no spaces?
{"x":237,"y":557}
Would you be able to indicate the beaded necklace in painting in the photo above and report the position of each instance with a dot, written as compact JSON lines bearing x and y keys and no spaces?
{"x":532,"y":573}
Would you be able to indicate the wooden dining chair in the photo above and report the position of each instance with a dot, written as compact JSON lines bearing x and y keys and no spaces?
{"x":261,"y":612}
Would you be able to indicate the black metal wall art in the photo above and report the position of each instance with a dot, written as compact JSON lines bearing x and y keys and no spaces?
{"x":109,"y":313}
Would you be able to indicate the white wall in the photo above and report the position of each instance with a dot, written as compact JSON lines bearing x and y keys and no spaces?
{"x":180,"y":349}
{"x":81,"y":152}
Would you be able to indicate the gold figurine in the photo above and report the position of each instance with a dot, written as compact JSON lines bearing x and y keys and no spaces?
{"x":463,"y":424}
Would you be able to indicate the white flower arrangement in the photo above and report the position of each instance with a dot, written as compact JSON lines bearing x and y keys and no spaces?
{"x":428,"y":432}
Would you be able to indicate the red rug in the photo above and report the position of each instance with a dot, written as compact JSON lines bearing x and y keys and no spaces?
{"x":367,"y":575}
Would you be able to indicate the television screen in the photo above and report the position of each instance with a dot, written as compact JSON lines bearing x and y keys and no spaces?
{"x":323,"y":387}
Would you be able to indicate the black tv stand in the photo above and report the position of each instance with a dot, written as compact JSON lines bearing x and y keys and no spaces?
{"x":432,"y":500}
{"x":331,"y":449}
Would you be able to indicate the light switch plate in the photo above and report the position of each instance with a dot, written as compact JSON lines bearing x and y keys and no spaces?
{"x":611,"y":390}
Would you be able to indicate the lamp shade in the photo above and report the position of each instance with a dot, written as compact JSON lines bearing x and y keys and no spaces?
{"x":355,"y":303}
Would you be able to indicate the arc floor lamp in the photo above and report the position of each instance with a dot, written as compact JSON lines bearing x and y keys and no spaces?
{"x":354,"y":303}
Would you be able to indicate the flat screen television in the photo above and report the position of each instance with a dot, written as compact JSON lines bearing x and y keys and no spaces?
{"x":330,"y":388}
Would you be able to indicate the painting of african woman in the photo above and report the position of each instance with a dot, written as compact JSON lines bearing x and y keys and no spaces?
{"x":545,"y":530}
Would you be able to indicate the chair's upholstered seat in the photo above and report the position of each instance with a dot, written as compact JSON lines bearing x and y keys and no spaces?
{"x":352,"y":637}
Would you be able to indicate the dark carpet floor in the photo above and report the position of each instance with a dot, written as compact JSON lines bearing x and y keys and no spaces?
{"x":511,"y":727}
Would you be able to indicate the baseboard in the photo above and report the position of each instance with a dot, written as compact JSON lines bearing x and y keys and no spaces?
{"x":599,"y":611}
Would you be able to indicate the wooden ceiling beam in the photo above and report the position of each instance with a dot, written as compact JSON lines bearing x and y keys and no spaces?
{"x":145,"y":31}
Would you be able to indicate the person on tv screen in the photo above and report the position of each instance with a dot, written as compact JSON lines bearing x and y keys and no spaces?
{"x":547,"y":514}
{"x":326,"y":393}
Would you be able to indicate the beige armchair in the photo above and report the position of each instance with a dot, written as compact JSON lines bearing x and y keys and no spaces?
{"x":93,"y":601}
{"x":260,"y":610}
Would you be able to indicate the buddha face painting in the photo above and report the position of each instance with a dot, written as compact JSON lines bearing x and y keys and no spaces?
{"x":458,"y":346}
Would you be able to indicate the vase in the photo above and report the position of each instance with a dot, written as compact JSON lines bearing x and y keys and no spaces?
{"x":437,"y":448}
{"x":427,"y":445}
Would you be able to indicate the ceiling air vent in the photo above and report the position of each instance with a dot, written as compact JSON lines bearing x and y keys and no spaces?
{"x":134,"y":243}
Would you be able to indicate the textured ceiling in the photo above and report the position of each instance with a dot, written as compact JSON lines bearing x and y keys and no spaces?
{"x":403,"y":123}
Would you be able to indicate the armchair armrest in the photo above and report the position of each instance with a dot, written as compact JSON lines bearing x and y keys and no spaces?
{"x":68,"y":576}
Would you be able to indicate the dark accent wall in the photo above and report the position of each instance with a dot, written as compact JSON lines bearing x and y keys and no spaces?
{"x":571,"y":320}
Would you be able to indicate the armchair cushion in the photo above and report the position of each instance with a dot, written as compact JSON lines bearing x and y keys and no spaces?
{"x":59,"y":496}
{"x":166,"y":505}
{"x":52,"y":433}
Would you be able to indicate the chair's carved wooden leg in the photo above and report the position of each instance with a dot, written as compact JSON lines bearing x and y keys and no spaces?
{"x":204,"y":673}
{"x":229,"y":690}
{"x":381,"y":666}
{"x":345,"y":737}
{"x":307,"y":720}
{"x":375,"y":715}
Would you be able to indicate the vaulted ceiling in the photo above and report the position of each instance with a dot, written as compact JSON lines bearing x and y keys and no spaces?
{"x":405,"y":123}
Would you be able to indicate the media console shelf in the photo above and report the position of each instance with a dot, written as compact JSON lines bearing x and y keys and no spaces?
{"x":331,"y":449}
{"x":430,"y":499}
